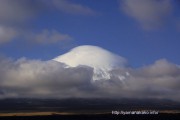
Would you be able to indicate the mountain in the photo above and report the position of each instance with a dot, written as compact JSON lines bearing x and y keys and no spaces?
{"x":101,"y":60}
{"x":80,"y":105}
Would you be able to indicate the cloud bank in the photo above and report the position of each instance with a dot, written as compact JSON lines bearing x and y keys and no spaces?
{"x":25,"y":78}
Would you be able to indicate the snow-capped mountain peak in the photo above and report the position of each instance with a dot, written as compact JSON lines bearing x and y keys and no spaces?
{"x":101,"y":60}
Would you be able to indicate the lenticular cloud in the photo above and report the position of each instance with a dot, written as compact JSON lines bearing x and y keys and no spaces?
{"x":101,"y":60}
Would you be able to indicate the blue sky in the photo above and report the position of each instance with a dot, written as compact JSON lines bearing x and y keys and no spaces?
{"x":142,"y":31}
{"x":145,"y":32}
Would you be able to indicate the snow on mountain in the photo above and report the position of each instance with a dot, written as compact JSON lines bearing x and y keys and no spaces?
{"x":101,"y":60}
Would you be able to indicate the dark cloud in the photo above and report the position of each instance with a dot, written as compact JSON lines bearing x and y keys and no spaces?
{"x":50,"y":79}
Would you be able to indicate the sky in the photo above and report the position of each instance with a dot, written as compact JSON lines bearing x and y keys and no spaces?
{"x":144,"y":32}
{"x":141,"y":31}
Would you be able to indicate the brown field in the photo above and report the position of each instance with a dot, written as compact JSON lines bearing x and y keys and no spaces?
{"x":170,"y":111}
{"x":34,"y":114}
{"x":44,"y":113}
{"x":70,"y":113}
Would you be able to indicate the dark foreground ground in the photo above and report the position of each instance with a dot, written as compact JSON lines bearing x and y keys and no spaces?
{"x":87,"y":109}
{"x":96,"y":117}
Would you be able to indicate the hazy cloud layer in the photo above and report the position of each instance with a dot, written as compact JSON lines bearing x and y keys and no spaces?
{"x":50,"y":79}
{"x":13,"y":11}
{"x":48,"y":36}
{"x":44,"y":37}
{"x":16,"y":13}
{"x":72,"y":8}
{"x":149,"y":13}
{"x":7,"y":34}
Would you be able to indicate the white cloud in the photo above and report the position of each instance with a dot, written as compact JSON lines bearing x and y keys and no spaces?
{"x":73,"y":8}
{"x":7,"y":34}
{"x":149,"y":13}
{"x":50,"y":79}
